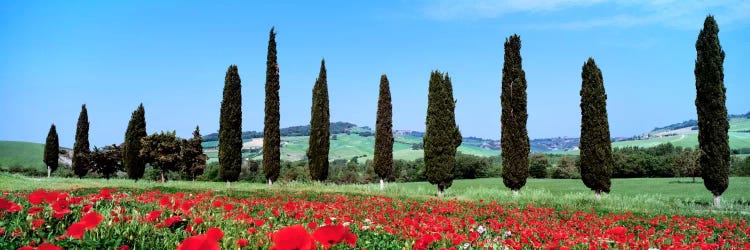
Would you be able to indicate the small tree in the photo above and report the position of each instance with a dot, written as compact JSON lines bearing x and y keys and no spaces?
{"x":317,"y":152}
{"x":230,"y":127}
{"x":514,"y":139}
{"x":107,"y":161}
{"x":383,"y":159}
{"x":51,"y":150}
{"x":442,"y":136}
{"x":710,"y":102}
{"x":565,"y":169}
{"x":81,"y":148}
{"x":162,"y":151}
{"x":596,"y":144}
{"x":272,"y":130}
{"x":193,"y":159}
{"x":687,"y":163}
{"x":538,"y":165}
{"x":132,"y":161}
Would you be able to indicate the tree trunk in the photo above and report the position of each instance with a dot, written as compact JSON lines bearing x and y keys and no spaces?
{"x":49,"y":171}
{"x":229,"y":184}
{"x":440,"y":191}
{"x":382,"y":185}
{"x":693,"y":178}
{"x":717,"y":200}
{"x":270,"y":182}
{"x":162,"y":176}
{"x":598,"y":194}
{"x":515,"y":192}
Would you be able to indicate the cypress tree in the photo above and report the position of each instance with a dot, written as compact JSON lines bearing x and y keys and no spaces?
{"x":51,"y":150}
{"x":271,"y":130}
{"x":317,"y":152}
{"x":710,"y":102}
{"x":133,"y":163}
{"x":230,"y":127}
{"x":383,"y":159}
{"x":81,"y":147}
{"x":595,"y":143}
{"x":514,"y":139}
{"x":441,"y":137}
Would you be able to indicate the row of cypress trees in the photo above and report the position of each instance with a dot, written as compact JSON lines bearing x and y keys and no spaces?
{"x":442,"y":136}
{"x":595,"y":140}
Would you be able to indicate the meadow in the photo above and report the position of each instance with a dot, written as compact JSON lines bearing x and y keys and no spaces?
{"x":551,"y":214}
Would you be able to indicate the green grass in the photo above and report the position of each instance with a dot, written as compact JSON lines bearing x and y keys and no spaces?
{"x":26,"y":154}
{"x":645,"y":196}
{"x":736,"y":140}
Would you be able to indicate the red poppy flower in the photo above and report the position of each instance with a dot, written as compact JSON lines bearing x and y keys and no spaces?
{"x":251,"y":230}
{"x":198,"y":221}
{"x":169,"y":221}
{"x":36,"y":223}
{"x":198,"y":242}
{"x":153,"y":215}
{"x":214,"y":233}
{"x":26,"y":248}
{"x":333,"y":234}
{"x":76,"y":230}
{"x":242,"y":242}
{"x":209,"y":241}
{"x":312,"y":225}
{"x":292,"y":237}
{"x":48,"y":246}
{"x":91,"y":220}
{"x":123,"y":247}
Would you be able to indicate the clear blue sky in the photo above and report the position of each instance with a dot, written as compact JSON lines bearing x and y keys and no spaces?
{"x":172,"y":57}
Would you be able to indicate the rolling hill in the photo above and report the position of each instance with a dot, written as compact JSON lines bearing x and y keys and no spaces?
{"x":26,"y":155}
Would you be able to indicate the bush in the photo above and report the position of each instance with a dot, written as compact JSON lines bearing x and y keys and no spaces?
{"x":32,"y":172}
{"x":740,"y":167}
{"x":211,"y":173}
{"x":64,"y":172}
{"x":470,"y":166}
{"x":538,"y":164}
{"x":566,"y":169}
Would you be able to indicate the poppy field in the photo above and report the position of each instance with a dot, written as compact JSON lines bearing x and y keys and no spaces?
{"x":132,"y":218}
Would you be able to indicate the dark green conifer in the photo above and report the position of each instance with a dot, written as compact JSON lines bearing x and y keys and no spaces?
{"x":383,"y":159}
{"x":442,"y":136}
{"x":51,"y":150}
{"x":133,"y":163}
{"x":710,"y":102}
{"x":317,"y":152}
{"x":514,"y":138}
{"x":230,"y":127}
{"x":272,"y":130}
{"x":595,"y":144}
{"x":81,"y":148}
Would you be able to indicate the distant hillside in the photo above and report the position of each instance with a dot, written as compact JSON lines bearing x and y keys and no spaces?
{"x":336,"y":128}
{"x":685,"y":134}
{"x":25,"y":154}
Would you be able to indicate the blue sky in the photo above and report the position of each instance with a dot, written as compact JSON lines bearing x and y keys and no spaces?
{"x":172,"y":57}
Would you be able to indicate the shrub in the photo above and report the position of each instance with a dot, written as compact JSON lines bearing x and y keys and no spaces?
{"x":538,"y":165}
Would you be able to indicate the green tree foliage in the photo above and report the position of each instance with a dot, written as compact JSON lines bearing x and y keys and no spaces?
{"x":687,"y":163}
{"x":51,"y":150}
{"x":514,"y":138}
{"x":538,"y":164}
{"x":193,"y":159}
{"x":566,"y":169}
{"x":710,"y":102}
{"x":81,"y":148}
{"x":471,"y":166}
{"x":317,"y":152}
{"x":442,"y":136}
{"x":230,"y":127}
{"x":107,"y":161}
{"x":162,"y":151}
{"x":271,"y":130}
{"x":133,"y":163}
{"x":596,"y":145}
{"x":383,"y":159}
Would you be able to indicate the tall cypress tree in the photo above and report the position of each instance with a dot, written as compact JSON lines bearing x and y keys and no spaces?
{"x":595,"y":143}
{"x":133,"y":163}
{"x":442,"y":137}
{"x":710,"y":102}
{"x":81,"y":148}
{"x":51,"y":150}
{"x":317,"y":152}
{"x":514,"y":139}
{"x":230,"y":127}
{"x":383,"y":159}
{"x":271,"y":130}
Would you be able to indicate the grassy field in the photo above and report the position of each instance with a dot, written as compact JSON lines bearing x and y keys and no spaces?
{"x":738,"y":137}
{"x":652,"y":196}
{"x":26,"y":154}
